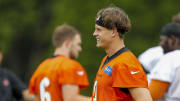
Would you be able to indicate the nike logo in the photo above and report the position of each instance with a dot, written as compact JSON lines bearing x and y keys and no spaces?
{"x":134,"y":72}
{"x":80,"y":73}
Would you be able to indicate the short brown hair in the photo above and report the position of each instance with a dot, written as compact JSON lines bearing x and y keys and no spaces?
{"x":176,"y":18}
{"x":114,"y":17}
{"x":62,"y":33}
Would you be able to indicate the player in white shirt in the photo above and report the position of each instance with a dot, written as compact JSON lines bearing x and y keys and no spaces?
{"x":151,"y":56}
{"x":165,"y":76}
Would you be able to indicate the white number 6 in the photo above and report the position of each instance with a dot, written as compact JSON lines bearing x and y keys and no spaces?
{"x":45,"y":96}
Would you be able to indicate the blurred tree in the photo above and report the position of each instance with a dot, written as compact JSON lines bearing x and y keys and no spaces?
{"x":24,"y":35}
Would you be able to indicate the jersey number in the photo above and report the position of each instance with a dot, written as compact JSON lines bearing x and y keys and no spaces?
{"x":45,"y":96}
{"x":95,"y":91}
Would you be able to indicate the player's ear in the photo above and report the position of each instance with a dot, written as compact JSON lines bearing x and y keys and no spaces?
{"x":173,"y":39}
{"x":67,"y":42}
{"x":114,"y":33}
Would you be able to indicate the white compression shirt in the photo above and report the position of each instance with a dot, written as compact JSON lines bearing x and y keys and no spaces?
{"x":150,"y":57}
{"x":168,"y":70}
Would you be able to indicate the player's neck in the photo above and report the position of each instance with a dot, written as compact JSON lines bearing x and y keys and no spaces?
{"x":62,"y":51}
{"x":114,"y":47}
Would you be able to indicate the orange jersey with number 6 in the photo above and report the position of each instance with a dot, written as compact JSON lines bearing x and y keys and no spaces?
{"x":54,"y":72}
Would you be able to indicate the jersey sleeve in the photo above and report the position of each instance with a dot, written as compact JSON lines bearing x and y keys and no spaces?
{"x":73,"y":73}
{"x":145,"y":59}
{"x":150,"y":57}
{"x":32,"y":86}
{"x":127,"y":76}
{"x":164,"y":70}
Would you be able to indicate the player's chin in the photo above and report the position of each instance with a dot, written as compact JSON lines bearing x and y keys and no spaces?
{"x":100,"y":45}
{"x":76,"y":56}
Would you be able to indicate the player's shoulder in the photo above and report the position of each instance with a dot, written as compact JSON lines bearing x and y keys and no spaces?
{"x":155,"y":49}
{"x":76,"y":63}
{"x":169,"y":60}
{"x":152,"y":52}
{"x":128,"y":55}
{"x":127,"y":59}
{"x":172,"y":53}
{"x":171,"y":56}
{"x":69,"y":63}
{"x":59,"y":60}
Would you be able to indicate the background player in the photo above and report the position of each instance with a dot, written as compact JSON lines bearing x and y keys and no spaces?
{"x":151,"y":56}
{"x":60,"y":77}
{"x":11,"y":87}
{"x":165,"y":76}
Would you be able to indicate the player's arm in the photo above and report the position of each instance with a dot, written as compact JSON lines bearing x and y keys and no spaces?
{"x":140,"y":94}
{"x":158,"y":88}
{"x":71,"y":93}
{"x":28,"y":96}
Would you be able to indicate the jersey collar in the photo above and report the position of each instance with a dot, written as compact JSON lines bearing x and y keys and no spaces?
{"x":108,"y":59}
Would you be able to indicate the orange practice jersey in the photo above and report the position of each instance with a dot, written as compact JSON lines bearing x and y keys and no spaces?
{"x":54,"y":72}
{"x":114,"y":77}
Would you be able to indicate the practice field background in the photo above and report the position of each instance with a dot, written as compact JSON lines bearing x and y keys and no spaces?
{"x":26,"y":28}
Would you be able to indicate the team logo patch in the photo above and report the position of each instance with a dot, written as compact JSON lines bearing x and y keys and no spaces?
{"x":108,"y":70}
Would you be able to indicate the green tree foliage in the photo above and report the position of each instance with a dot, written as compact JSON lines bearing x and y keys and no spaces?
{"x":26,"y":28}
